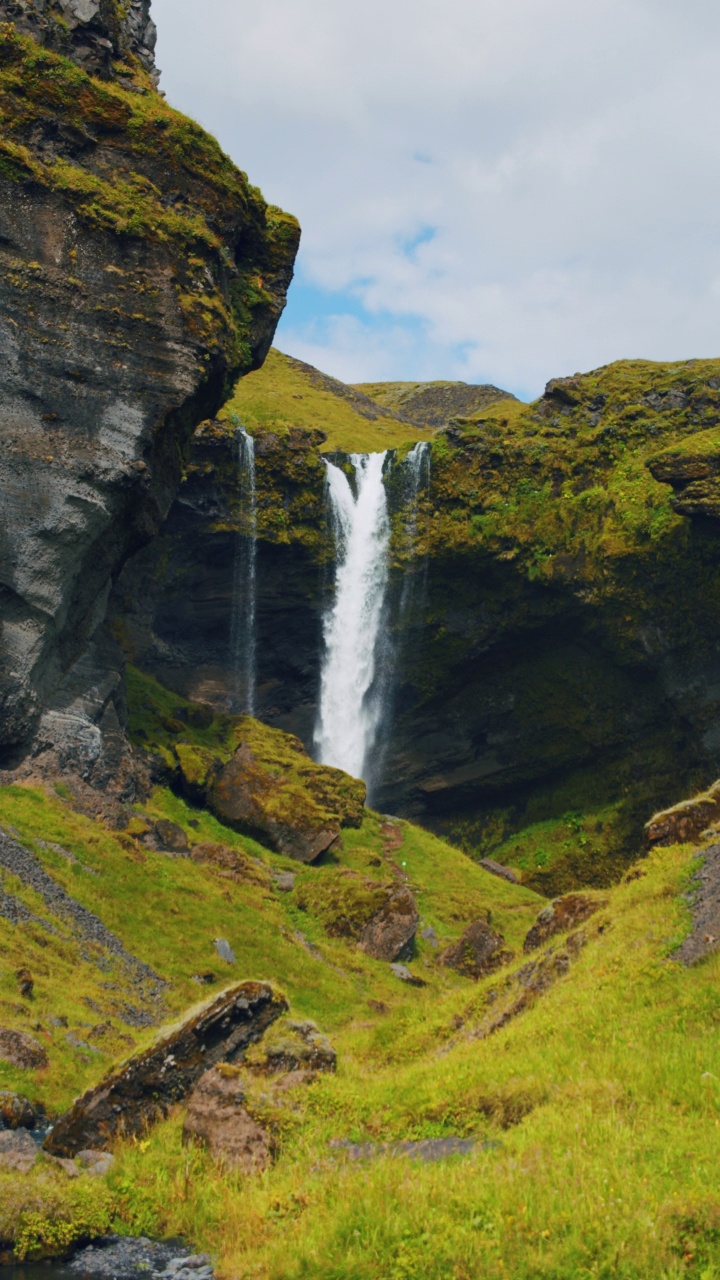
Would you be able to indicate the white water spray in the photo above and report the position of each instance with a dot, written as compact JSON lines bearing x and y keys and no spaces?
{"x":243,"y":643}
{"x":350,"y":711}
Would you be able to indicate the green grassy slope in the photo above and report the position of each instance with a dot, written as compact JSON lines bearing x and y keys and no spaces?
{"x":286,"y":393}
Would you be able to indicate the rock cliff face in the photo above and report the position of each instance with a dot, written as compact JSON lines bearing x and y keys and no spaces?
{"x":562,"y":654}
{"x":141,"y":274}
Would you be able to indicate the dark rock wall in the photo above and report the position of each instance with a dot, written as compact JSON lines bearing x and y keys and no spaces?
{"x":94,"y":33}
{"x":140,"y":274}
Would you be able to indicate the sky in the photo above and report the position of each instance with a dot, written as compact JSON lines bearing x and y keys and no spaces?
{"x":495,"y":191}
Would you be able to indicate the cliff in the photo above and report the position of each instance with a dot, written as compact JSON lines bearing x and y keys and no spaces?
{"x":142,"y":274}
{"x":556,"y":676}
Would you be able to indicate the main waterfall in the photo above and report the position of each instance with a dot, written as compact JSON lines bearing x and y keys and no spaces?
{"x":350,"y":710}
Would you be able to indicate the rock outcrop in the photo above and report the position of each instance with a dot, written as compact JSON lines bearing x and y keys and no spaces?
{"x":480,"y":950}
{"x":217,"y":1118}
{"x":686,"y":821}
{"x":142,"y":1090}
{"x":390,"y":934}
{"x":20,"y":1049}
{"x":560,"y":916}
{"x":140,"y":275}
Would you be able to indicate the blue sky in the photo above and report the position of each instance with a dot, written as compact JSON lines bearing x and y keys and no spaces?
{"x":494,"y":190}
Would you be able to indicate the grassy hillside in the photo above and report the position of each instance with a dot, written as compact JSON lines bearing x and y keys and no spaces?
{"x":589,"y":1069}
{"x":286,"y":393}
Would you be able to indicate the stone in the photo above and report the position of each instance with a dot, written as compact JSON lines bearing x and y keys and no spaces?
{"x":26,"y":983}
{"x":142,"y":1090}
{"x":297,"y":816}
{"x":68,"y":1167}
{"x":16,"y":1112}
{"x":230,"y":864}
{"x":391,"y":932}
{"x":225,"y":951}
{"x":21,"y":1050}
{"x":479,"y":950}
{"x":428,"y":934}
{"x":171,"y":836}
{"x":560,"y":916}
{"x":18,"y":1151}
{"x":217,"y":1118}
{"x":125,"y":1258}
{"x":292,"y":1046}
{"x":686,"y":822}
{"x":497,"y":869}
{"x":97,"y":1163}
{"x":402,"y":972}
{"x":284,"y":881}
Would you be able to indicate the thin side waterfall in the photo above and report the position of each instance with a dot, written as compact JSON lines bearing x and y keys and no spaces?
{"x":416,"y":477}
{"x":243,"y":644}
{"x":350,"y":710}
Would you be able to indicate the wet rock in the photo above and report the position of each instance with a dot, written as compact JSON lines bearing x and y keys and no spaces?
{"x":144,"y":1088}
{"x":391,"y":932}
{"x":480,"y":950}
{"x":16,"y":1112}
{"x":21,"y":1050}
{"x":170,"y":836}
{"x":404,"y":974}
{"x":225,"y":951}
{"x":217,"y":1117}
{"x":497,"y":869}
{"x":293,"y":1046}
{"x":560,"y":916}
{"x":684,"y":823}
{"x":18,"y":1151}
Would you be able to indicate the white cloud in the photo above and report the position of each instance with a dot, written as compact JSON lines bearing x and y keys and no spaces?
{"x":565,"y":154}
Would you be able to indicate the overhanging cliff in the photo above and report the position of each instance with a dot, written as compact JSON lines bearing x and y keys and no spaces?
{"x":141,"y":274}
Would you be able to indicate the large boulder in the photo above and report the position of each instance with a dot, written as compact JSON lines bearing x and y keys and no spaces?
{"x":145,"y":1087}
{"x":293,"y":1046}
{"x":480,"y":950}
{"x":684,"y":823}
{"x":391,"y":932}
{"x":217,"y":1118}
{"x":18,"y":1151}
{"x":273,"y":791}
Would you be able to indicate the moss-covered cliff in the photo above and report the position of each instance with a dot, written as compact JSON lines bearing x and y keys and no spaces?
{"x":557,"y":670}
{"x":141,"y":275}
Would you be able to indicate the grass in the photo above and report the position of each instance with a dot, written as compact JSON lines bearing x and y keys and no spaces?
{"x":286,"y":395}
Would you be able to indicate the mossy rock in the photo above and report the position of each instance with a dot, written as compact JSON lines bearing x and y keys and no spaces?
{"x":344,"y":901}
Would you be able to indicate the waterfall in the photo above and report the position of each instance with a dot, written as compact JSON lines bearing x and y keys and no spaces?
{"x":242,"y":625}
{"x":350,"y":711}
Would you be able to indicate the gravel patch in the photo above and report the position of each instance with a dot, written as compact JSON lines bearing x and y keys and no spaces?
{"x":704,"y":900}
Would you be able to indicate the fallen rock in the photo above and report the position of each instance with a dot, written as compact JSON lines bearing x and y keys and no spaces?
{"x":18,"y":1151}
{"x":26,"y":983}
{"x":97,"y":1163}
{"x":402,"y":972}
{"x":217,"y":1117}
{"x":284,"y":881}
{"x":21,"y":1050}
{"x":684,"y":823}
{"x":480,"y":950}
{"x":68,"y":1167}
{"x":16,"y":1112}
{"x":391,"y":932}
{"x":293,"y":1046}
{"x":497,"y":869}
{"x":230,"y":864}
{"x":145,"y":1087}
{"x":560,"y":916}
{"x":171,"y":837}
{"x":273,"y":791}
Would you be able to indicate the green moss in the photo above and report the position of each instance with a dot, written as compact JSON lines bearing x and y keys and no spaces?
{"x":342,"y":900}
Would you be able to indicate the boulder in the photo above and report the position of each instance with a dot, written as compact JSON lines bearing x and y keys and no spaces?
{"x":497,"y":869}
{"x":406,"y":975}
{"x":16,"y":1112}
{"x":225,"y":951}
{"x":480,"y":950}
{"x":230,"y":864}
{"x":391,"y":932}
{"x":560,"y":916}
{"x":298,"y":810}
{"x":293,"y":1046}
{"x":171,"y":837}
{"x":684,"y":823}
{"x":97,"y":1163}
{"x":18,"y":1152}
{"x":148,"y":1084}
{"x":217,"y":1118}
{"x":21,"y":1050}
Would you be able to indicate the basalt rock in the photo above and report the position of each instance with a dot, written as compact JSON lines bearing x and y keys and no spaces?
{"x":217,"y":1118}
{"x":140,"y":274}
{"x":391,"y":932}
{"x":685,"y":822}
{"x":22,"y":1050}
{"x":143,"y":1090}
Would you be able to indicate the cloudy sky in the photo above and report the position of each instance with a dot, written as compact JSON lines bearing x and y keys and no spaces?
{"x":494,"y":190}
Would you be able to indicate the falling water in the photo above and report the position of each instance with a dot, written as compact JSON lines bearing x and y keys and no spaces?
{"x":350,"y":710}
{"x":242,"y":627}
